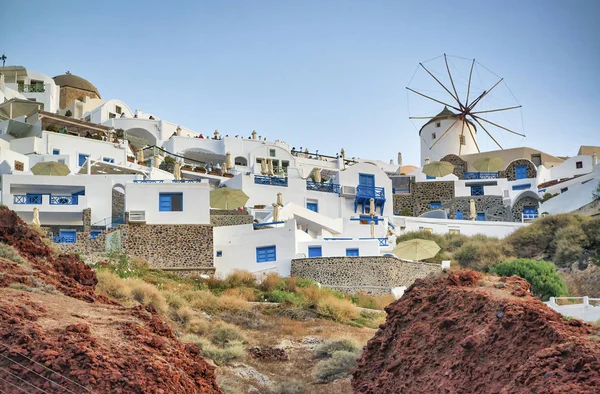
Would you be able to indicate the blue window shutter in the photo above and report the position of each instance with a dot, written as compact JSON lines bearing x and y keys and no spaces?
{"x":529,"y":210}
{"x":164,"y":203}
{"x":367,"y":180}
{"x":81,"y":159}
{"x":315,"y":251}
{"x":429,"y":177}
{"x":352,"y":252}
{"x":435,"y":205}
{"x":219,"y":253}
{"x":68,"y":236}
{"x":459,"y":215}
{"x":95,"y":233}
{"x":481,"y":216}
{"x":521,"y":171}
{"x":266,"y":253}
{"x":56,"y":151}
{"x":477,"y":190}
{"x":312,"y":206}
{"x":108,"y":160}
{"x":522,"y":187}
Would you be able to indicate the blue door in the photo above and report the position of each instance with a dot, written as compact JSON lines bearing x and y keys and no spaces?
{"x":68,"y":236}
{"x":315,"y":251}
{"x":459,"y":215}
{"x":367,"y":180}
{"x":521,"y":171}
{"x":481,"y":216}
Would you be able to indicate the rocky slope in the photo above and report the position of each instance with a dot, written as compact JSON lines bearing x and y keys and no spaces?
{"x":465,"y":334}
{"x":58,"y":336}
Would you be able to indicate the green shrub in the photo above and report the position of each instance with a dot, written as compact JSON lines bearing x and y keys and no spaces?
{"x":548,"y":196}
{"x":467,"y":255}
{"x":326,"y":349}
{"x":545,"y":281}
{"x":290,"y":388}
{"x":338,"y":366}
{"x":10,"y":253}
{"x":303,"y":283}
{"x":52,"y":127}
{"x":224,"y":334}
{"x":169,"y":160}
{"x":68,"y":113}
{"x":220,"y":355}
{"x":568,"y":245}
{"x":591,"y":228}
{"x":284,"y":297}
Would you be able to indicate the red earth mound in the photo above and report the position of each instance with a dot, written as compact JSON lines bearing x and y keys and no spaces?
{"x":464,"y":334}
{"x":77,"y":341}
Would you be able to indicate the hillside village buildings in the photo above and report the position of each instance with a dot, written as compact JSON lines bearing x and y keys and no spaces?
{"x":121,"y":190}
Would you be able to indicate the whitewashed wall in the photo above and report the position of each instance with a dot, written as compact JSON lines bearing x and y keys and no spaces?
{"x":466,"y":227}
{"x":8,"y":158}
{"x":337,"y":248}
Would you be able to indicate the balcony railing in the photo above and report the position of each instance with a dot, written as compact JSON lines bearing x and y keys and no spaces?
{"x":64,"y":200}
{"x":529,"y":217}
{"x":270,"y":180}
{"x":186,"y":181}
{"x":382,"y":241}
{"x":31,"y":88}
{"x":64,"y":240}
{"x":401,"y":190}
{"x":323,"y":187}
{"x":148,"y":181}
{"x":377,"y":193}
{"x":480,"y":175}
{"x":27,"y":199}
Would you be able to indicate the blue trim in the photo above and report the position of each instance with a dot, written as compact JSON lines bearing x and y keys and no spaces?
{"x":352,"y":252}
{"x":148,"y":181}
{"x":108,"y":160}
{"x":27,"y":198}
{"x":435,"y":205}
{"x":95,"y":233}
{"x":56,"y":152}
{"x":270,"y":180}
{"x":458,"y":215}
{"x":81,"y":158}
{"x":64,"y":200}
{"x":165,"y":202}
{"x":521,"y":171}
{"x":479,"y":175}
{"x":219,"y":253}
{"x":266,"y":253}
{"x":315,"y":251}
{"x":382,"y":241}
{"x":477,"y":191}
{"x":66,"y":237}
{"x":522,"y":187}
{"x":429,"y":177}
{"x":266,"y":224}
{"x":337,"y":239}
{"x":481,"y":216}
{"x":323,"y":187}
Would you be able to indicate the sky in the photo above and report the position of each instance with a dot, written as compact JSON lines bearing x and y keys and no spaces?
{"x":323,"y":74}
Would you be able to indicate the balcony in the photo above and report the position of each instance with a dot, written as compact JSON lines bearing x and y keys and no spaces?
{"x":364,"y":194}
{"x":31,"y":88}
{"x":27,"y":199}
{"x":479,"y":175}
{"x":529,"y":217}
{"x":270,"y":180}
{"x":64,"y":200}
{"x":148,"y":181}
{"x":48,"y":202}
{"x":382,"y":241}
{"x":323,"y":187}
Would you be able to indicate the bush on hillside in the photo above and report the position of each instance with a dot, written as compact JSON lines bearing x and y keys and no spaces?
{"x":244,"y":293}
{"x":338,"y":366}
{"x":112,"y":285}
{"x":568,"y":245}
{"x":290,"y":387}
{"x":326,"y":349}
{"x":591,"y":228}
{"x":148,"y":295}
{"x":10,"y":253}
{"x":241,"y":278}
{"x":285,"y":297}
{"x":372,"y":302}
{"x":220,"y":355}
{"x":545,"y":281}
{"x":480,"y":255}
{"x":224,"y":334}
{"x":270,"y":281}
{"x":337,"y":309}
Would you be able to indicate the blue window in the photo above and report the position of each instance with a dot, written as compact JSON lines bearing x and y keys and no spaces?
{"x":219,"y":253}
{"x":352,"y":252}
{"x":529,"y":210}
{"x":367,"y":180}
{"x":108,"y":160}
{"x":477,"y":190}
{"x":170,"y":202}
{"x":266,"y":253}
{"x":459,"y":215}
{"x":429,"y":177}
{"x":564,"y":190}
{"x":95,"y":233}
{"x":56,"y":151}
{"x":81,"y":159}
{"x":435,"y":205}
{"x":315,"y":251}
{"x":481,"y":216}
{"x":313,"y":206}
{"x":522,"y":187}
{"x":521,"y":171}
{"x":68,"y":236}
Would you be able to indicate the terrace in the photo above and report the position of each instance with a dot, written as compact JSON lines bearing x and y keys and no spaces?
{"x":479,"y":175}
{"x":271,"y":180}
{"x":326,"y":187}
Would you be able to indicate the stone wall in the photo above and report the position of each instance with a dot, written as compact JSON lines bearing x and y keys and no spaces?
{"x":68,"y":94}
{"x":460,"y":165}
{"x":517,"y":209}
{"x":373,"y":274}
{"x":493,"y":206}
{"x":230,"y":217}
{"x":118,"y":204}
{"x":170,"y":245}
{"x":510,"y":172}
{"x":403,"y":202}
{"x":426,"y":192}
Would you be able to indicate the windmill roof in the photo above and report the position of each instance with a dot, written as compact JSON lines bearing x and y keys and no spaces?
{"x":445,"y":114}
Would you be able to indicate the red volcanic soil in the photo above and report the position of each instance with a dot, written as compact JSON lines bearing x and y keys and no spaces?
{"x":465,"y":334}
{"x":74,"y":341}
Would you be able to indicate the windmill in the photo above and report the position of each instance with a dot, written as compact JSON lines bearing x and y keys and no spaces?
{"x":464,"y":102}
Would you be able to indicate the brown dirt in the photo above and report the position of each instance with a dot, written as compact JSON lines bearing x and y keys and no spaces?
{"x":466,"y":334}
{"x":76,"y":341}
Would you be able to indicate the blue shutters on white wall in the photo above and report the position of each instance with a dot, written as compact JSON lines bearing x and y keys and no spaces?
{"x":315,"y":251}
{"x":170,"y":202}
{"x":266,"y":253}
{"x":352,"y":252}
{"x":521,"y":171}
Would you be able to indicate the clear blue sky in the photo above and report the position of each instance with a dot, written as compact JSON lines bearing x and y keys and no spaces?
{"x":319,"y":74}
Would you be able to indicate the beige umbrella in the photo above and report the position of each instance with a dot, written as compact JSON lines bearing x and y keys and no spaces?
{"x":489,"y":164}
{"x":228,"y":160}
{"x":271,"y":169}
{"x":438,"y":168}
{"x":224,"y":167}
{"x":372,"y":206}
{"x":416,"y":249}
{"x":318,"y":178}
{"x":36,"y":217}
{"x":50,"y":168}
{"x":226,"y":198}
{"x":263,"y":166}
{"x":275,"y":212}
{"x":472,"y":210}
{"x":372,"y":228}
{"x":140,"y":155}
{"x":280,"y":199}
{"x":177,"y":170}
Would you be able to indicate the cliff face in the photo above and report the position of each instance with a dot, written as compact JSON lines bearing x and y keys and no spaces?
{"x":58,"y":336}
{"x":465,"y":334}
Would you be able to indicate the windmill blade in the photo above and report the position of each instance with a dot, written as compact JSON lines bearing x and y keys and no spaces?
{"x":462,"y":133}
{"x":452,"y":82}
{"x":431,"y":98}
{"x":497,"y":125}
{"x":469,"y":85}
{"x":441,"y":84}
{"x":428,"y":117}
{"x":442,"y":136}
{"x":495,"y":110}
{"x":487,"y":132}
{"x":470,"y":107}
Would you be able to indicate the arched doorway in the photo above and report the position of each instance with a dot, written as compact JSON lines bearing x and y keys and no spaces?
{"x":139,"y":137}
{"x":118,"y":205}
{"x":240,"y":161}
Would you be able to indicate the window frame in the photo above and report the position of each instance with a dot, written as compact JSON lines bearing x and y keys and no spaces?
{"x":163,"y":208}
{"x":579,"y":165}
{"x":272,"y":153}
{"x":79,"y":156}
{"x":55,"y":152}
{"x":108,"y":160}
{"x":315,"y":248}
{"x":263,"y":253}
{"x":350,"y":252}
{"x":477,"y":187}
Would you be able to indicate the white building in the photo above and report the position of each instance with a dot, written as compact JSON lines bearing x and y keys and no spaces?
{"x":443,"y":135}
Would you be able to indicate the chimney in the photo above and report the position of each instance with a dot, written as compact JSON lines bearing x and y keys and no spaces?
{"x":594,"y":159}
{"x":399,"y":158}
{"x":1,"y":80}
{"x":427,"y":161}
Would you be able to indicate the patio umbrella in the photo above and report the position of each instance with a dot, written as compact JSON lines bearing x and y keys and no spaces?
{"x":177,"y":170}
{"x":372,"y":206}
{"x":224,"y":167}
{"x":228,"y":160}
{"x":372,"y":228}
{"x":271,"y":169}
{"x":50,"y":168}
{"x":472,"y":210}
{"x":140,"y":156}
{"x":275,"y":212}
{"x":36,"y":217}
{"x":416,"y":249}
{"x":438,"y":168}
{"x":263,"y":166}
{"x":226,"y":198}
{"x":318,"y":178}
{"x":489,"y":164}
{"x":280,"y":199}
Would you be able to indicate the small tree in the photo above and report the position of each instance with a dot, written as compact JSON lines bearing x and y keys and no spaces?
{"x":545,"y":281}
{"x":68,"y":113}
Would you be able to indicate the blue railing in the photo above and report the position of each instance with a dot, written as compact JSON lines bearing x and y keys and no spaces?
{"x":266,"y":224}
{"x":530,"y":216}
{"x":377,"y":193}
{"x":337,"y":239}
{"x":148,"y":181}
{"x":186,"y":181}
{"x":64,"y":200}
{"x":323,"y":187}
{"x":382,"y":241}
{"x":27,"y":199}
{"x":480,"y":175}
{"x":401,"y":190}
{"x":64,"y":240}
{"x":270,"y":180}
{"x":368,"y":218}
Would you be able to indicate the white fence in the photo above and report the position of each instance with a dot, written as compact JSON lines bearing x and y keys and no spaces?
{"x":587,"y":310}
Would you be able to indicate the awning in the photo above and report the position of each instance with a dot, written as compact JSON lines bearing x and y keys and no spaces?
{"x":19,"y":107}
{"x":104,"y":168}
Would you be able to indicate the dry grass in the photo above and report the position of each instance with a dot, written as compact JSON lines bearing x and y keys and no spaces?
{"x":174,"y":300}
{"x":184,"y":315}
{"x":148,"y":295}
{"x":337,"y":309}
{"x":270,"y":281}
{"x":10,"y":253}
{"x":373,"y":302}
{"x":241,"y":278}
{"x":197,"y":326}
{"x":206,"y":301}
{"x":244,"y":293}
{"x":112,"y":285}
{"x":311,"y":294}
{"x":223,"y":334}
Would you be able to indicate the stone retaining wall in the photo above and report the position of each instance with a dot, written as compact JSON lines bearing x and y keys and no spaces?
{"x":230,"y":220}
{"x":426,"y":192}
{"x":370,"y":274}
{"x":493,"y":206}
